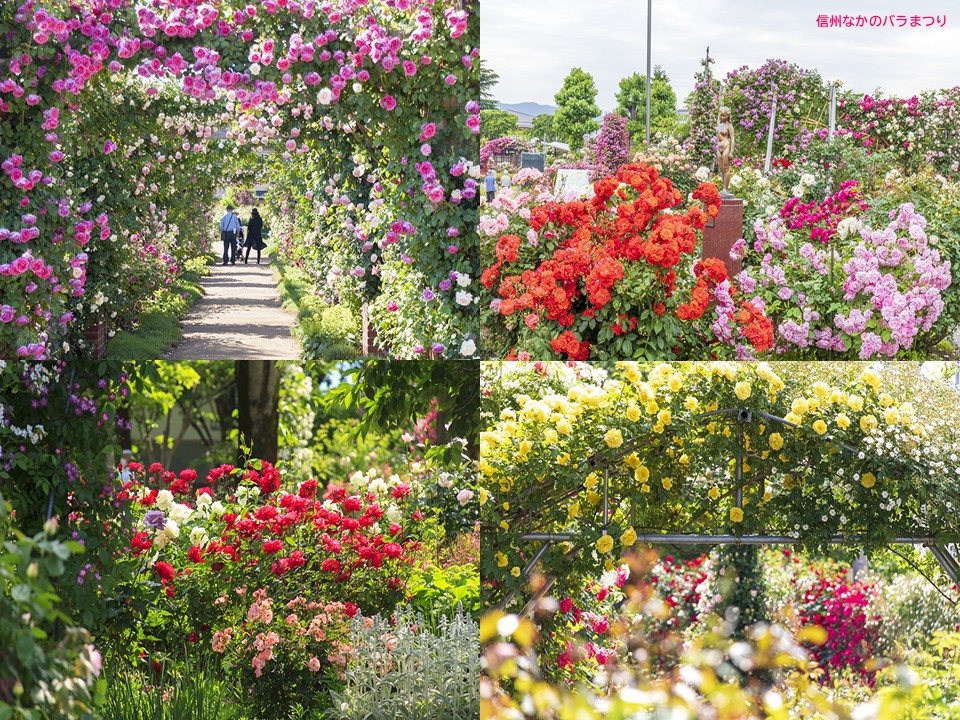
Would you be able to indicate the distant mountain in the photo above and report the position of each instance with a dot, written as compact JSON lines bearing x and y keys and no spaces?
{"x":530,"y":109}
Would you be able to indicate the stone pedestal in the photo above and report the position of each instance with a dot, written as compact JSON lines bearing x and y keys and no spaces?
{"x":96,"y":337}
{"x":723,"y":231}
{"x":368,"y":334}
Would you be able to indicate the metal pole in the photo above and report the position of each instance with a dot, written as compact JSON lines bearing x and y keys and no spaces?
{"x":606,"y":494}
{"x":738,"y":501}
{"x":649,"y":35}
{"x":833,"y":109}
{"x":694,"y":539}
{"x":773,"y":122}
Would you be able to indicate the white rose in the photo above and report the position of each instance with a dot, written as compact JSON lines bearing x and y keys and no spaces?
{"x":198,"y":536}
{"x":464,"y":298}
{"x":160,"y":541}
{"x":180,"y":513}
{"x":444,"y":480}
{"x":702,"y":173}
{"x":807,"y":180}
{"x":204,"y":500}
{"x":468,"y":348}
{"x":217,"y":508}
{"x":164,"y":499}
{"x":171,"y":529}
{"x":463,"y":280}
{"x":464,"y":496}
{"x":325,"y":96}
{"x":393,"y":514}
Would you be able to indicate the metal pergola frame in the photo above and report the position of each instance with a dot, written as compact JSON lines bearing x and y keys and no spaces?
{"x":940,"y":550}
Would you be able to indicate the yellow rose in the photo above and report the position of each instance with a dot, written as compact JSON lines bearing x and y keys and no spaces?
{"x":515,"y":571}
{"x":563,"y":459}
{"x":664,"y":417}
{"x":633,"y":413}
{"x":886,"y":400}
{"x":867,"y":423}
{"x":591,"y":481}
{"x":501,"y":560}
{"x":871,"y":378}
{"x":564,"y":426}
{"x":843,"y":422}
{"x":613,"y":438}
{"x":676,"y":382}
{"x":821,"y":389}
{"x":525,"y":447}
{"x":868,"y":480}
{"x":641,"y":473}
{"x":684,"y":459}
{"x":604,"y":544}
{"x":891,"y":416}
{"x":551,"y":436}
{"x":691,"y":403}
{"x":855,"y":403}
{"x":667,"y":483}
{"x":736,"y":515}
{"x":792,"y":417}
{"x":645,"y":392}
{"x":776,"y":441}
{"x":742,"y":390}
{"x":593,"y":498}
{"x":713,"y":493}
{"x":632,"y":460}
{"x":484,"y":496}
{"x":819,"y":427}
{"x":629,"y":537}
{"x":645,"y":488}
{"x":573,"y":510}
{"x":652,"y":407}
{"x":799,"y":406}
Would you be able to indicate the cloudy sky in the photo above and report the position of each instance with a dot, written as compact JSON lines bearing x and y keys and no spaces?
{"x":532,"y":44}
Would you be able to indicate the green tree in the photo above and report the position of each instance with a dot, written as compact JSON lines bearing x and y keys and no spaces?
{"x":497,"y":123}
{"x":543,"y":128}
{"x":632,"y":102}
{"x":577,"y":109}
{"x":488,"y":81}
{"x":390,"y":393}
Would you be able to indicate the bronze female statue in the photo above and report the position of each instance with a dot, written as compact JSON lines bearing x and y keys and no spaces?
{"x":725,"y":146}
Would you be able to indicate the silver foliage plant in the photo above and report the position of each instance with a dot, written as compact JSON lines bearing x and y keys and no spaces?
{"x":402,"y":669}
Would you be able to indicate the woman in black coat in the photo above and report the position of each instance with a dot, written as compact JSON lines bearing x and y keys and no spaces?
{"x":254,"y":235}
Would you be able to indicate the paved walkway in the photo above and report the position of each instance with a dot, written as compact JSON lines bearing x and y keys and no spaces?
{"x":238,"y":318}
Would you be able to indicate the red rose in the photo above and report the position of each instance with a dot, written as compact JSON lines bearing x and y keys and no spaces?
{"x":350,"y":609}
{"x":392,"y":550}
{"x":165,"y":571}
{"x":266,"y":513}
{"x":308,"y":489}
{"x":195,"y":554}
{"x":352,"y":504}
{"x":401,"y":491}
{"x":566,"y":605}
{"x":331,"y":565}
{"x":272,"y":546}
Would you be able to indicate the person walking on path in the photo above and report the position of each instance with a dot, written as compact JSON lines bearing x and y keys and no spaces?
{"x":505,"y":181}
{"x":229,"y":228}
{"x":491,"y":185}
{"x":254,"y":235}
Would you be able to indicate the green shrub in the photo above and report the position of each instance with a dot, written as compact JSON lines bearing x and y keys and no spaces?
{"x":437,"y":591}
{"x":400,"y":670}
{"x":194,"y":693}
{"x":48,"y":669}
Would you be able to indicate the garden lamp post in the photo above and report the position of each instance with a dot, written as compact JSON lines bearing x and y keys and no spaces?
{"x":649,"y":19}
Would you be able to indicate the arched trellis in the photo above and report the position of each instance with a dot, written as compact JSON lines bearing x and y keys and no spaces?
{"x":943,"y":549}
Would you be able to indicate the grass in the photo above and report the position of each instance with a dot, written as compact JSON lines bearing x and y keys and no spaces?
{"x":330,"y":332}
{"x":159,"y":326}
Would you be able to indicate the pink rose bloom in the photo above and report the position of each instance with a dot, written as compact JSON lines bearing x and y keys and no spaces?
{"x":428,"y":130}
{"x":388,"y":103}
{"x":313,"y":665}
